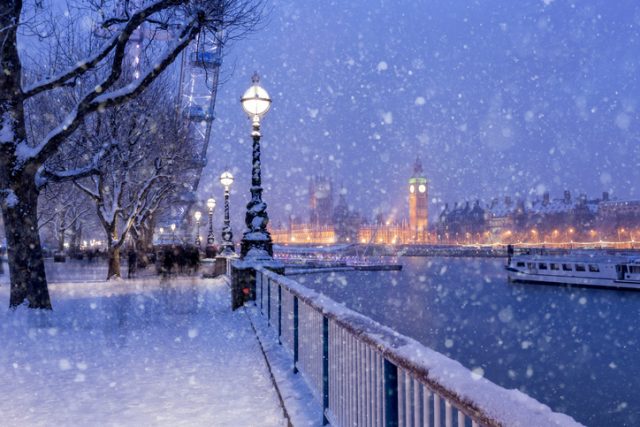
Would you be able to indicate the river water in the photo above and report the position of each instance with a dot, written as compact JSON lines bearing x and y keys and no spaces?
{"x":574,"y":349}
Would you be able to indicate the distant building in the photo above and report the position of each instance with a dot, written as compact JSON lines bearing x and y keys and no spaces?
{"x":541,"y":220}
{"x":618,"y":218}
{"x":320,"y":201}
{"x":418,"y":201}
{"x":346,"y":222}
{"x":464,"y":222}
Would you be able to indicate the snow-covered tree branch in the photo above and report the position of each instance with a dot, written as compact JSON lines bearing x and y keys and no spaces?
{"x":75,"y":90}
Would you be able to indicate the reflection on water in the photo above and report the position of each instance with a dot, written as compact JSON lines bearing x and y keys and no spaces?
{"x":574,"y":349}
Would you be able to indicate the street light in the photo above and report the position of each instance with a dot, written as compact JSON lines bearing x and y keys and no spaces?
{"x":256,"y":241}
{"x":197,"y":215}
{"x":173,"y":233}
{"x":210,"y":250}
{"x":226,"y":179}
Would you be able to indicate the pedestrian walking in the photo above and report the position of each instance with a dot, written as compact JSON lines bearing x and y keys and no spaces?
{"x":132,"y":261}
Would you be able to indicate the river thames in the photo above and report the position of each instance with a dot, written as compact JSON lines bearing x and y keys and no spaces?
{"x":574,"y":349}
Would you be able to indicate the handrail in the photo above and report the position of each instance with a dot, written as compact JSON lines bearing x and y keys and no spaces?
{"x":478,"y":398}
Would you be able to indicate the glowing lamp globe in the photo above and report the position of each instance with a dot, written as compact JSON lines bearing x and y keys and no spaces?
{"x":173,"y":227}
{"x":197,"y":215}
{"x":211,"y":203}
{"x":256,"y":100}
{"x":226,"y":179}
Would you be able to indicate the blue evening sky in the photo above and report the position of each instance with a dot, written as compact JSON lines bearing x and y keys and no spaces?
{"x":498,"y":97}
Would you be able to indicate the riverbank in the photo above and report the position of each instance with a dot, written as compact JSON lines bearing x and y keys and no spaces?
{"x":455,"y":251}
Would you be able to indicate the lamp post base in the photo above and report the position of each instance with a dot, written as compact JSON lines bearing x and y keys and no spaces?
{"x":260,"y":248}
{"x":243,"y":279}
{"x":210,"y":251}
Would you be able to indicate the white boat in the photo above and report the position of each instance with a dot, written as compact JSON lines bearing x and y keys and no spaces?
{"x":581,"y":269}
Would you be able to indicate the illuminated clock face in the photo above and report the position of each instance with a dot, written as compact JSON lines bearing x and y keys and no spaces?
{"x":422,"y":188}
{"x":412,"y":189}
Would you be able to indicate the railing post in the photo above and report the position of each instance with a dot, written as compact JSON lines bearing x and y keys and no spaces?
{"x":295,"y":334}
{"x":268,"y":301}
{"x":261,"y":293}
{"x":390,"y":394}
{"x":325,"y":369}
{"x":279,"y":314}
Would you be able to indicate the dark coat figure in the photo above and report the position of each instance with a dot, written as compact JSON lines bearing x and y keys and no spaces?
{"x":133,"y":263}
{"x":192,"y":256}
{"x":181,"y":258}
{"x":167,"y":261}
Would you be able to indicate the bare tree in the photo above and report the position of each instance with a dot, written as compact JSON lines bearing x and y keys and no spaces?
{"x":62,"y":208}
{"x":23,"y":160}
{"x":148,"y":153}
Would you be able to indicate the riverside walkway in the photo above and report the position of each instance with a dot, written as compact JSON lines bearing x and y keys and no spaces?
{"x":133,"y":353}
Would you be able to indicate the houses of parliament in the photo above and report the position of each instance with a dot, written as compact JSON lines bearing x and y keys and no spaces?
{"x":331,"y":222}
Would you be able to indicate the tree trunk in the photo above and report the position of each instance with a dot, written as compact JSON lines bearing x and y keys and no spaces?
{"x":114,"y":263}
{"x":20,"y":196}
{"x":138,"y":240}
{"x":26,"y":262}
{"x":61,"y":239}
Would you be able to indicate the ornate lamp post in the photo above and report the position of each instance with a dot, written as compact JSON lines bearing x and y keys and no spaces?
{"x":256,"y":241}
{"x":197,"y":215}
{"x":173,"y":233}
{"x":210,"y":250}
{"x":226,"y":179}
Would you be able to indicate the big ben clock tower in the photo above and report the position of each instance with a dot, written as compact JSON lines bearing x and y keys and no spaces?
{"x":418,"y":200}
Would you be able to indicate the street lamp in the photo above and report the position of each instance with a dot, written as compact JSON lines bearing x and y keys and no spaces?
{"x":256,"y":241}
{"x":197,"y":215}
{"x":226,"y":179}
{"x":173,"y":233}
{"x":210,"y":250}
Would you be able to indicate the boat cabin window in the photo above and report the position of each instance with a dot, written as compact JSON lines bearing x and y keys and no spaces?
{"x":567,"y":267}
{"x":542,"y":265}
{"x":531,"y":265}
{"x":635,"y":269}
{"x":580,"y":267}
{"x":519,"y":264}
{"x":594,"y":268}
{"x":554,"y":266}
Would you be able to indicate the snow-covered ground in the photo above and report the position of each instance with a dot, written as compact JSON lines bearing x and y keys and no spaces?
{"x":134,"y":353}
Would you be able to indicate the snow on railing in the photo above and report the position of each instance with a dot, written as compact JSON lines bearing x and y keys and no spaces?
{"x":364,"y":373}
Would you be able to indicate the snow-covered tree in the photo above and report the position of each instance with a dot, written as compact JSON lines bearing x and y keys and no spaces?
{"x":148,"y":154}
{"x":62,"y":210}
{"x":24,"y":157}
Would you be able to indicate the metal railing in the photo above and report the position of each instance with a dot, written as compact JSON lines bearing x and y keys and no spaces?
{"x":366,"y":374}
